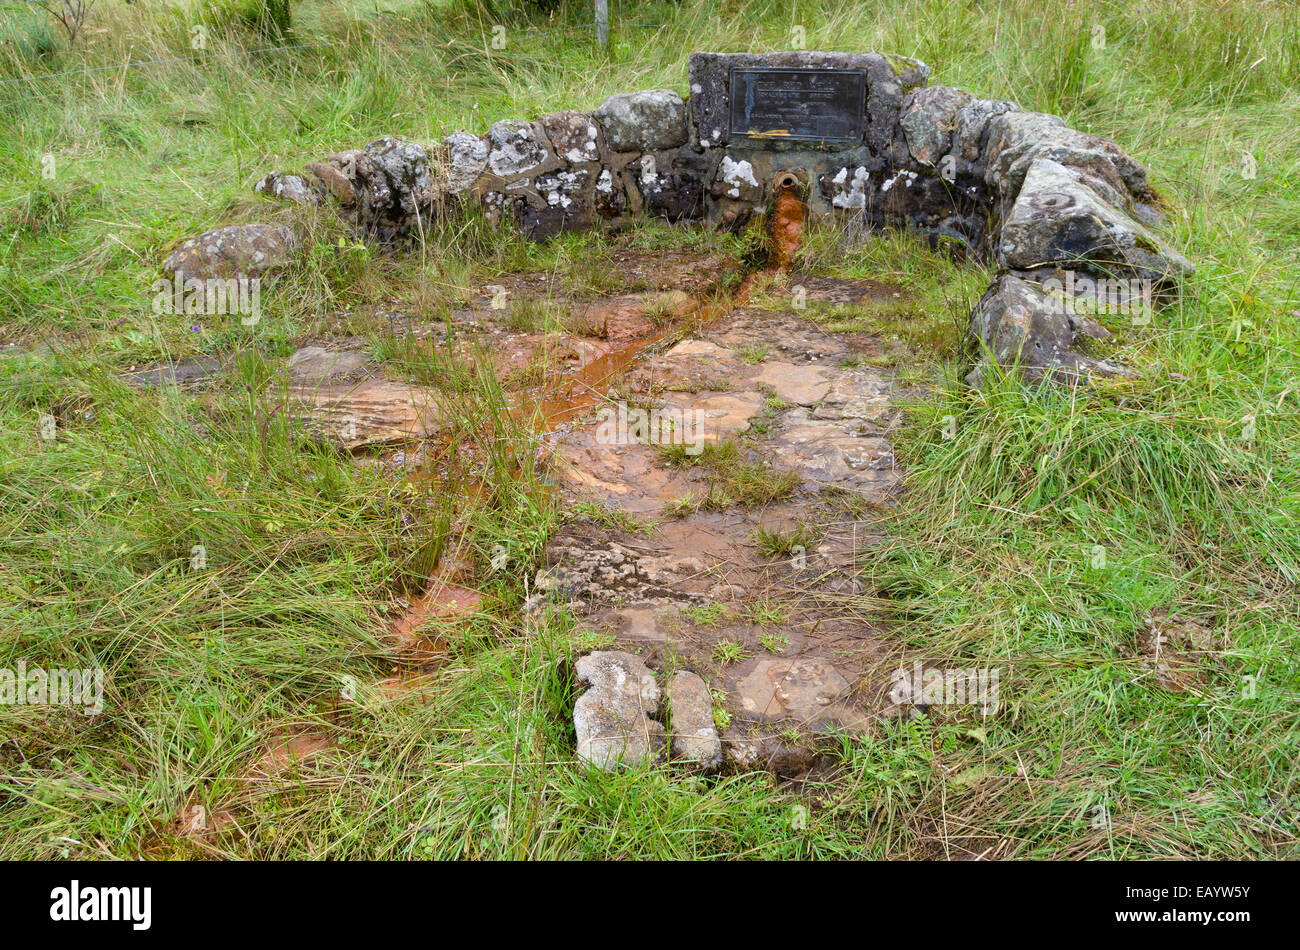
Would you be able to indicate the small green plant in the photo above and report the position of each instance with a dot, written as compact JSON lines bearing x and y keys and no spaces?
{"x":609,"y":517}
{"x":754,"y":353}
{"x":530,"y":314}
{"x":721,"y":715}
{"x":706,"y":615}
{"x":585,"y":640}
{"x":777,"y":543}
{"x":687,"y":504}
{"x":713,"y":455}
{"x":728,"y":651}
{"x":721,"y":718}
{"x":271,"y":18}
{"x":774,"y":642}
{"x":767,"y":613}
{"x":759,"y":484}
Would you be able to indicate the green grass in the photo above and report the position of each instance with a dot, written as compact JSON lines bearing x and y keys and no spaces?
{"x":1186,"y":480}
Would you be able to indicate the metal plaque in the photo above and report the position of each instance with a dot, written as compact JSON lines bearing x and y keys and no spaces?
{"x":810,"y":105}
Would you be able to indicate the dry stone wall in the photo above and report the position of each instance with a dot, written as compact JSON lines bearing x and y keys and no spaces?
{"x":1044,"y":202}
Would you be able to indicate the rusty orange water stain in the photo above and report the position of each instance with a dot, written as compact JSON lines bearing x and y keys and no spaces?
{"x":585,"y":387}
{"x":578,"y":391}
{"x":787,"y":226}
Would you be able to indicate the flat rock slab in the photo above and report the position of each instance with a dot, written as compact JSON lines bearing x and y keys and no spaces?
{"x":612,"y":718}
{"x":800,"y":689}
{"x":339,"y":399}
{"x":369,"y":412}
{"x":801,"y":384}
{"x":685,"y":561}
{"x":635,"y":316}
{"x":695,"y":739}
{"x":631,"y":476}
{"x":316,"y":364}
{"x":844,"y":454}
{"x":188,"y":374}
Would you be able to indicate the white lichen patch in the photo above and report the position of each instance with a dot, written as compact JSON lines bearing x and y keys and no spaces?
{"x":907,"y":177}
{"x":649,"y":173}
{"x":852,"y":191}
{"x":734,"y":174}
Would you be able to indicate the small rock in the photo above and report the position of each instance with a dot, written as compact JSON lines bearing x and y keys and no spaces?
{"x":1017,"y":324}
{"x":515,"y":149}
{"x":290,"y":188}
{"x":469,"y":156}
{"x":335,"y":182}
{"x":185,"y":374}
{"x":575,"y":136}
{"x":335,"y":397}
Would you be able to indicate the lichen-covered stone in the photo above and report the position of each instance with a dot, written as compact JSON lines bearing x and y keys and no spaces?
{"x":694,"y":736}
{"x":569,"y":203}
{"x":515,"y":148}
{"x":646,"y":121}
{"x":1015,"y":139}
{"x":291,"y":188}
{"x":406,"y":167}
{"x":928,"y":117}
{"x":970,"y":126}
{"x":467,"y":157}
{"x":1058,"y":218}
{"x":236,"y":250}
{"x":575,"y":136}
{"x":612,"y":719}
{"x":1016,"y":324}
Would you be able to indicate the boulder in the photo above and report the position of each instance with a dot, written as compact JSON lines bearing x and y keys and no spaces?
{"x":970,"y":126}
{"x":928,"y":117}
{"x":515,"y":148}
{"x":1015,"y":139}
{"x":468,"y":155}
{"x":612,"y":718}
{"x":1059,"y":218}
{"x":236,"y":250}
{"x":405,"y":166}
{"x":1016,"y":324}
{"x":647,"y":121}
